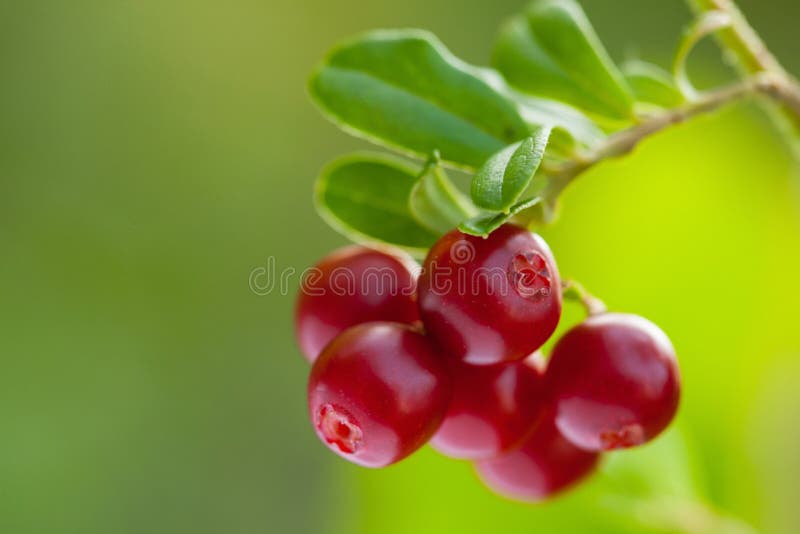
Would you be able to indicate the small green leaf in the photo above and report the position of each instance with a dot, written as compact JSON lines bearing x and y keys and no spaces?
{"x":405,"y":90}
{"x":652,"y":84}
{"x":365,"y":197}
{"x":552,"y":50}
{"x":485,"y":224}
{"x":507,"y":174}
{"x":705,"y":24}
{"x":436,"y":203}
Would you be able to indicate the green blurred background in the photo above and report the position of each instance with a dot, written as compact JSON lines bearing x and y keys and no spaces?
{"x":153,"y":153}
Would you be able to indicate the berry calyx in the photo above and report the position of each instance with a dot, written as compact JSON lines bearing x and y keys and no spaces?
{"x":377,"y":393}
{"x":613,"y":382}
{"x":353,"y":285}
{"x":493,"y":408}
{"x":492,"y":300}
{"x":337,"y":428}
{"x":543,"y":466}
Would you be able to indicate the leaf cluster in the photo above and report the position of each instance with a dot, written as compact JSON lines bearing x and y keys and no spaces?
{"x":552,"y":92}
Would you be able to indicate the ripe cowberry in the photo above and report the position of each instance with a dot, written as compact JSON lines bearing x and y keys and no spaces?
{"x":493,"y":409}
{"x":491,"y":300}
{"x":377,"y":393}
{"x":545,"y":464}
{"x":613,"y":382}
{"x":353,"y":285}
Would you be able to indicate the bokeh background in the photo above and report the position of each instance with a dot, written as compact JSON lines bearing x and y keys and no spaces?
{"x":154,"y":152}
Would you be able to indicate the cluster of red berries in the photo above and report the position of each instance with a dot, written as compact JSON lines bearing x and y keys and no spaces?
{"x":450,"y":357}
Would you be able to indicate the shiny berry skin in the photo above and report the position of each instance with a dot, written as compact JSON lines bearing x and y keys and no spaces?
{"x":613,"y":381}
{"x":377,"y":393}
{"x":544,"y":465}
{"x":353,"y":285}
{"x":493,"y":408}
{"x":492,"y":300}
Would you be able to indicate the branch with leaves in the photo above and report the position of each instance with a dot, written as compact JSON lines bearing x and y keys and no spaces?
{"x":553,"y":105}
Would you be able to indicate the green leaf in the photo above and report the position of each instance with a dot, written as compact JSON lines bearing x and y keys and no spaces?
{"x":405,"y":90}
{"x":365,"y":197}
{"x":436,"y":203}
{"x":563,"y":119}
{"x":507,"y":174}
{"x":538,"y":111}
{"x":485,"y":224}
{"x":552,"y":50}
{"x":652,"y":84}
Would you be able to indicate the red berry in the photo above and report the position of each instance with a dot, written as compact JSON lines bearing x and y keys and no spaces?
{"x":353,"y":285}
{"x":492,"y":300}
{"x":545,"y":464}
{"x":493,"y":409}
{"x":613,"y":381}
{"x":377,"y":393}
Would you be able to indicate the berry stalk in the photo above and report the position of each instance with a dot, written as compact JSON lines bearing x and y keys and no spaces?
{"x":572,"y":290}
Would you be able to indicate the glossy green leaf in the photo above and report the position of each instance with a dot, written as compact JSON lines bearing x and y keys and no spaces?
{"x":652,"y":84}
{"x":509,"y":172}
{"x":405,"y":90}
{"x":541,"y":112}
{"x":569,"y":127}
{"x":485,"y":224}
{"x":436,"y":202}
{"x":365,"y":197}
{"x":552,"y":50}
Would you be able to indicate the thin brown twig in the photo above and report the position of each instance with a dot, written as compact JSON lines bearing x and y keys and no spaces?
{"x":624,"y":141}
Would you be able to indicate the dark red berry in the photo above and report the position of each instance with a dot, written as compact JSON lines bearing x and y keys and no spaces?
{"x":613,"y":381}
{"x":377,"y":393}
{"x":493,"y":409}
{"x":544,"y":465}
{"x":353,"y":285}
{"x":491,"y":300}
